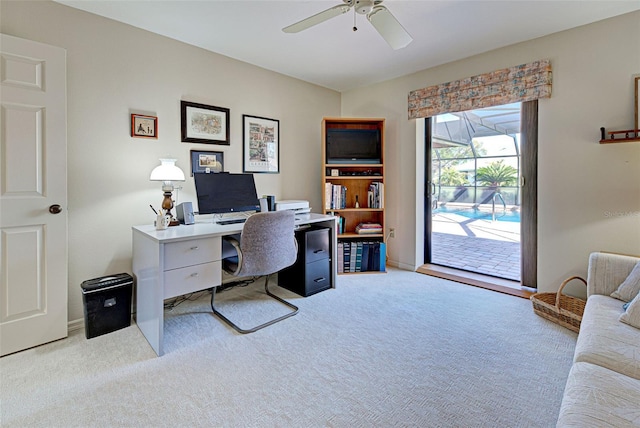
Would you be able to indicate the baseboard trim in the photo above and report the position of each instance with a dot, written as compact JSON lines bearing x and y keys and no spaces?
{"x":403,"y":266}
{"x":505,"y":286}
{"x":75,"y":325}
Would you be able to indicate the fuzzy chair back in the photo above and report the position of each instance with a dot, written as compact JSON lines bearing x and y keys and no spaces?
{"x":268,"y":243}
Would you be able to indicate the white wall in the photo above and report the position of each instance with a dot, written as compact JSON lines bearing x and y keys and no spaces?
{"x":589,"y":194}
{"x":114,"y":70}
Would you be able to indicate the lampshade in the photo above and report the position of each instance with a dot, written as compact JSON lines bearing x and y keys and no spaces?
{"x":167,"y":171}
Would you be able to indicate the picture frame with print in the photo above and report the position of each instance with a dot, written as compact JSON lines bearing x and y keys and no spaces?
{"x":261,"y":144}
{"x":201,"y":123}
{"x":206,"y":162}
{"x":144,"y":126}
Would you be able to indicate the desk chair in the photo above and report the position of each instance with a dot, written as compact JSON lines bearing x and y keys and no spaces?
{"x":267,"y":245}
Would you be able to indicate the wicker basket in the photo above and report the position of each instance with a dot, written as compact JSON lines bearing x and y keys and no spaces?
{"x":559,"y":308}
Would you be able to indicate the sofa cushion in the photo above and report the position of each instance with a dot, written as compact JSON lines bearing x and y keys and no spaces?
{"x":630,"y":287}
{"x":605,"y":341}
{"x":597,"y":397}
{"x":607,"y":271}
{"x":632,"y":313}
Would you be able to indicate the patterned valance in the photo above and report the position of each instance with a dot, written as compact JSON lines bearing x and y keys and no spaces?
{"x":521,"y":83}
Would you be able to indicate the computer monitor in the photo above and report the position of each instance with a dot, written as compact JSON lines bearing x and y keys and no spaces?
{"x":224,"y":192}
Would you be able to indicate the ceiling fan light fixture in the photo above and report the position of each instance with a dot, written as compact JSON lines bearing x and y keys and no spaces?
{"x":363,"y":7}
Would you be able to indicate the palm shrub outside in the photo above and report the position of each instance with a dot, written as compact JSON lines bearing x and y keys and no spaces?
{"x":452,"y":177}
{"x":497,"y":174}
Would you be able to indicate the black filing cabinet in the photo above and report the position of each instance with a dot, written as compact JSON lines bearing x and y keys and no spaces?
{"x":311,"y":273}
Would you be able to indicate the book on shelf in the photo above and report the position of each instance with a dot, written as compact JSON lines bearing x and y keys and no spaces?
{"x":347,"y":256}
{"x":375,"y":195}
{"x":358,"y":256}
{"x":375,"y":257}
{"x":354,"y":251}
{"x":365,"y":256}
{"x":335,"y":196}
{"x":383,"y":257}
{"x":327,"y":196}
{"x":341,"y":222}
{"x":378,"y":257}
{"x":361,"y":256}
{"x":368,"y":228}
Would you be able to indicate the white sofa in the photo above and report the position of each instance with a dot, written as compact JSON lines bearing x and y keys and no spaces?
{"x":603,"y":388}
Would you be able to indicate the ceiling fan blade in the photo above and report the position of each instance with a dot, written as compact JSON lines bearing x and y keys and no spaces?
{"x":389,"y":28}
{"x":317,"y":19}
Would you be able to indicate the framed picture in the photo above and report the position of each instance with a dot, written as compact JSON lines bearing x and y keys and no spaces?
{"x":637,"y":105}
{"x":204,"y":124}
{"x":144,"y":126}
{"x":206,"y":162}
{"x":261,"y":144}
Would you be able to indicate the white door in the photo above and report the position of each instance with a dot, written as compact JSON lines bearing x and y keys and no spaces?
{"x":33,"y":194}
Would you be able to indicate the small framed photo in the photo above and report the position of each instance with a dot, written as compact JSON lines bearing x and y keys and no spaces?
{"x":144,"y":126}
{"x":261,"y":144}
{"x":206,"y":124}
{"x":206,"y":162}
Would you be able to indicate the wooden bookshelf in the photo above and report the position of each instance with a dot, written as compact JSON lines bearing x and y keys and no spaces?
{"x":357,"y":180}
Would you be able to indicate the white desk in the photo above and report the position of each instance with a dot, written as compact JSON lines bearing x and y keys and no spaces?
{"x":185,"y":259}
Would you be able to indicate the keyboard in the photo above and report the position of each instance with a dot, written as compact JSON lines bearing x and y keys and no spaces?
{"x":231,"y":221}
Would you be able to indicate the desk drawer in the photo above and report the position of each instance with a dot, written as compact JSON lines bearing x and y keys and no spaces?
{"x":306,"y":279}
{"x":192,"y":252}
{"x":317,"y":277}
{"x":315,"y":244}
{"x":192,"y":278}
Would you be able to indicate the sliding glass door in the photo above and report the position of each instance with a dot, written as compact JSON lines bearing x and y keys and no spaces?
{"x":476,"y":207}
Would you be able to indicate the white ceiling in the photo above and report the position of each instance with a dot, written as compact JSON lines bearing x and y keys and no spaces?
{"x":331,"y":54}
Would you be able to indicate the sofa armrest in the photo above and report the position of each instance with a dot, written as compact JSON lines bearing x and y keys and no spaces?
{"x":607,"y":271}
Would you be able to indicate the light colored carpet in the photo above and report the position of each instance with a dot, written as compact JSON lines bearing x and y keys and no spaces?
{"x":384,"y":350}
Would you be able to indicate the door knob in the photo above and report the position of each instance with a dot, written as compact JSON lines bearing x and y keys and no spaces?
{"x":55,"y":209}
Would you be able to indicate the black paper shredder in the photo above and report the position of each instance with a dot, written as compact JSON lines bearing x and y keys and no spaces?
{"x":107,"y":304}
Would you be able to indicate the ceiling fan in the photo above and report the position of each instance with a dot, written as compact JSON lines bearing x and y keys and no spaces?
{"x":382,"y":20}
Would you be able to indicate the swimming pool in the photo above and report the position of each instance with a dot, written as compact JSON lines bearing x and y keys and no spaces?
{"x":476,"y":214}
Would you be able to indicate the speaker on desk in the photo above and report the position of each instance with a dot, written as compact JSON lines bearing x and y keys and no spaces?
{"x":264,"y":207}
{"x":271,"y":202}
{"x":185,"y":213}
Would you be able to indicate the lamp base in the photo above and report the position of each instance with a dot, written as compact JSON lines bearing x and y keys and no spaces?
{"x":167,"y":206}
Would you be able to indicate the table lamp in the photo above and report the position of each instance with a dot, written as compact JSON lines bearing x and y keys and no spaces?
{"x":167,"y":172}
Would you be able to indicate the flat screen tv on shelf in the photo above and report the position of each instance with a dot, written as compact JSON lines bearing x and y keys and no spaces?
{"x":357,"y":146}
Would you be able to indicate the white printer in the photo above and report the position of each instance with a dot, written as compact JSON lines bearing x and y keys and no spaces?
{"x":298,"y":207}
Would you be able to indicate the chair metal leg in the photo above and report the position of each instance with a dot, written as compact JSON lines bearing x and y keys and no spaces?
{"x":266,"y":324}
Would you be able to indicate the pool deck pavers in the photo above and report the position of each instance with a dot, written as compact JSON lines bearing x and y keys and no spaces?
{"x":482,"y":246}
